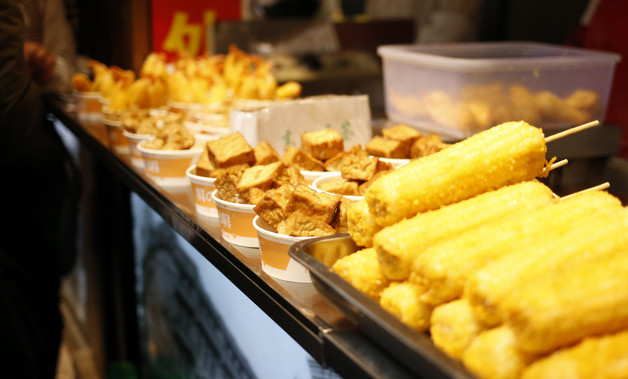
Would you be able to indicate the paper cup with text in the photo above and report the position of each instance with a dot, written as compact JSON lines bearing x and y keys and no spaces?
{"x":236,"y":222}
{"x":167,"y":167}
{"x":117,"y":140}
{"x":136,"y":157}
{"x":276,"y":261}
{"x":331,"y":178}
{"x":202,"y":187}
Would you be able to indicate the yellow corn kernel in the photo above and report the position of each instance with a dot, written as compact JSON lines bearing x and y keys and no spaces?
{"x":445,"y":267}
{"x":493,"y":355}
{"x":591,"y":237}
{"x":584,"y":300}
{"x":453,"y":327}
{"x":361,"y":270}
{"x":603,"y":357}
{"x":398,"y":245}
{"x":504,"y":154}
{"x":361,"y":224}
{"x":402,"y":299}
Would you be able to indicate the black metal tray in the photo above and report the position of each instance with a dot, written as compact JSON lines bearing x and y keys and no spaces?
{"x":412,"y":348}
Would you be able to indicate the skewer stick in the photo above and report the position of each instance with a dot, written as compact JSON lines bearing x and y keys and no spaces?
{"x":558,"y":164}
{"x":599,"y":187}
{"x":573,"y":130}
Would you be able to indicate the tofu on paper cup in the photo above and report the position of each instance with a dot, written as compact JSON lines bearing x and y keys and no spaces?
{"x":202,"y":187}
{"x":276,"y":262}
{"x":168,"y":167}
{"x":236,"y":222}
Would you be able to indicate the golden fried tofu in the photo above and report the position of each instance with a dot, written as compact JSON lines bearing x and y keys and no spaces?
{"x":361,"y":270}
{"x":358,"y":168}
{"x":265,"y":153}
{"x":387,"y":148}
{"x":427,"y":145}
{"x":311,"y":203}
{"x":301,"y":225}
{"x":334,"y":163}
{"x":341,"y":186}
{"x":262,"y":176}
{"x":230,"y":150}
{"x":272,"y":207}
{"x":204,"y":166}
{"x":227,"y":182}
{"x":302,"y":160}
{"x":403,"y":300}
{"x":290,"y":174}
{"x":340,"y":222}
{"x":219,"y":171}
{"x":362,"y":188}
{"x":322,"y":144}
{"x":403,"y":133}
{"x":177,"y":137}
{"x":255,"y":195}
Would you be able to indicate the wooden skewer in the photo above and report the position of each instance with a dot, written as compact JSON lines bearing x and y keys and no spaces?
{"x":558,"y":164}
{"x":573,"y":130}
{"x":599,"y":187}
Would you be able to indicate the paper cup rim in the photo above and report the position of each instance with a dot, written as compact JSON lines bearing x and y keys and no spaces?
{"x":338,"y":176}
{"x":89,"y":94}
{"x":136,"y":136}
{"x":396,"y":162}
{"x":274,"y":235}
{"x":198,"y":178}
{"x":169,"y":153}
{"x":245,"y":208}
{"x":112,"y":123}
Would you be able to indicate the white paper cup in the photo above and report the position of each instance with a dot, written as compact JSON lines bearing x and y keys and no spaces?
{"x":236,"y":222}
{"x":331,"y":178}
{"x":168,"y":167}
{"x":117,"y":140}
{"x":311,"y":176}
{"x":276,"y":262}
{"x":136,"y":157}
{"x":202,"y":187}
{"x":88,"y":102}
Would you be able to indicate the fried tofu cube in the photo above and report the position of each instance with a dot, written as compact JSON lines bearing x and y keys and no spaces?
{"x":227,"y":182}
{"x":334,"y":163}
{"x":219,"y":171}
{"x":358,"y":168}
{"x":204,"y":166}
{"x":302,"y":225}
{"x":426,"y":145}
{"x":340,"y":222}
{"x":315,"y":204}
{"x":290,"y":174}
{"x":302,"y":160}
{"x":387,"y":148}
{"x":255,"y":195}
{"x":322,"y":144}
{"x":403,"y":133}
{"x":341,"y":186}
{"x":262,"y":176}
{"x":230,"y":150}
{"x":272,"y":207}
{"x":362,"y":188}
{"x":265,"y":153}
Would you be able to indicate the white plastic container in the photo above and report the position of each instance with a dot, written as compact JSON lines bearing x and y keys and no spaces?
{"x":459,"y":89}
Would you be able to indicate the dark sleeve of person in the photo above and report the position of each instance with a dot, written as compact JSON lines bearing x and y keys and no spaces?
{"x":21,"y":107}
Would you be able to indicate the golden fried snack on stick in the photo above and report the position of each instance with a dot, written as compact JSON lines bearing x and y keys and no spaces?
{"x":588,"y":238}
{"x":593,"y":358}
{"x":443,"y":268}
{"x":361,"y":223}
{"x":505,"y":154}
{"x":361,"y":270}
{"x":587,"y":298}
{"x":400,"y":244}
{"x":493,"y":355}
{"x":403,"y":299}
{"x":453,"y":327}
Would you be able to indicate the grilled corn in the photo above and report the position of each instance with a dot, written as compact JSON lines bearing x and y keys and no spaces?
{"x":398,"y":245}
{"x":588,"y":238}
{"x":361,"y":224}
{"x":505,"y":154}
{"x":586,"y":299}
{"x":603,"y":357}
{"x":453,"y":327}
{"x":444,"y":267}
{"x":361,"y":270}
{"x":402,"y":299}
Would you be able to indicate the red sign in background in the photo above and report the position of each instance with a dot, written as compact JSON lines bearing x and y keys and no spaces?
{"x":180,"y":27}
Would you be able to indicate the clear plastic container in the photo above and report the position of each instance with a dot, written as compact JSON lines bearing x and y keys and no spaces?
{"x":459,"y":89}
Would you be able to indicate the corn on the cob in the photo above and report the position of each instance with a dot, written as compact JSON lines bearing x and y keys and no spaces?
{"x":505,"y":154}
{"x":603,"y":357}
{"x":445,"y":267}
{"x":402,"y":299}
{"x":493,"y":355}
{"x":361,"y":224}
{"x":453,"y":327}
{"x":399,"y":244}
{"x":361,"y":270}
{"x":586,"y":299}
{"x":586,"y":239}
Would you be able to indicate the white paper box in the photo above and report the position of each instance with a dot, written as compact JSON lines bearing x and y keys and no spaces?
{"x":282,"y":124}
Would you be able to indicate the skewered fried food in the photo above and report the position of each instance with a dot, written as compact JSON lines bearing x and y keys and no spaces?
{"x":590,"y":237}
{"x":444,"y":267}
{"x":398,"y":245}
{"x":403,"y":299}
{"x":603,"y":357}
{"x":505,"y":154}
{"x":588,"y":298}
{"x":361,"y":270}
{"x":453,"y":327}
{"x":362,"y":225}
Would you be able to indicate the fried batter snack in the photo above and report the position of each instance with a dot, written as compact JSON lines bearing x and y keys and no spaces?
{"x":322,"y":144}
{"x":361,"y":270}
{"x":362,"y":226}
{"x":302,"y":225}
{"x":340,"y":222}
{"x":230,"y":150}
{"x":453,"y":326}
{"x":301,"y":159}
{"x":403,"y":299}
